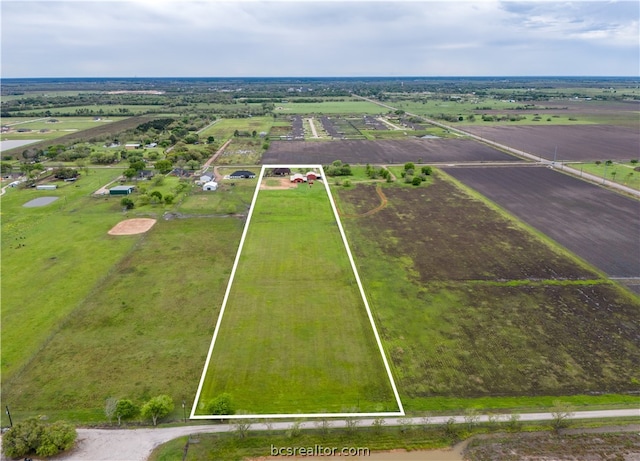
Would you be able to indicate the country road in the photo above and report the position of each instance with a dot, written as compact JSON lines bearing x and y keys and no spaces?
{"x":137,"y":444}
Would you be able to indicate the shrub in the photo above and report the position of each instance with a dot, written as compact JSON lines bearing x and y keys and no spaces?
{"x":416,"y":181}
{"x":34,"y":436}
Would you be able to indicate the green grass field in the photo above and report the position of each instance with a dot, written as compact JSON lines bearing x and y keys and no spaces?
{"x":622,"y":173}
{"x":295,"y":337}
{"x":41,"y":129}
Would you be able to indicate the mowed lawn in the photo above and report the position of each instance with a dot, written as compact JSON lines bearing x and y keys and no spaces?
{"x":295,"y":337}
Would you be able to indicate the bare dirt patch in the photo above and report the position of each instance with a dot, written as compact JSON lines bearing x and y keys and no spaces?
{"x":277,"y":184}
{"x":132,"y":226}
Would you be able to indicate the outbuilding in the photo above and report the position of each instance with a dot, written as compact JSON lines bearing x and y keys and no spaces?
{"x":46,"y":187}
{"x":298,"y":178}
{"x":242,"y":174}
{"x":121,"y":190}
{"x":211,"y":185}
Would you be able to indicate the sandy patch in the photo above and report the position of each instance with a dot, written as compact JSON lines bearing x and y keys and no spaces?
{"x":132,"y":226}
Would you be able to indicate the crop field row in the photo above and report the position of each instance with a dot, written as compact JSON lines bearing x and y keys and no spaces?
{"x":578,"y":143}
{"x":596,"y":224}
{"x":383,"y":152}
{"x":471,"y":304}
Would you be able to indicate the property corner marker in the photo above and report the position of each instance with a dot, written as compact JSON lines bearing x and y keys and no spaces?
{"x":362,"y":294}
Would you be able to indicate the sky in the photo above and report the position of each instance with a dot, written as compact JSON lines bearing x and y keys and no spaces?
{"x":348,"y":38}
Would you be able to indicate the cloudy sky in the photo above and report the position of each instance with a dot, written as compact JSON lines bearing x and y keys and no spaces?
{"x":160,"y":38}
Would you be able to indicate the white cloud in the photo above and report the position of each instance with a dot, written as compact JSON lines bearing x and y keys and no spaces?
{"x":279,"y":38}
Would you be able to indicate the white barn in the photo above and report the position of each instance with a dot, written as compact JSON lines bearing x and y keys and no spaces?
{"x":211,"y":185}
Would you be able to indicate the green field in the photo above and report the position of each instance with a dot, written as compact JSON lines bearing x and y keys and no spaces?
{"x":347,"y":106}
{"x":619,"y":172}
{"x":295,"y":337}
{"x":41,"y":129}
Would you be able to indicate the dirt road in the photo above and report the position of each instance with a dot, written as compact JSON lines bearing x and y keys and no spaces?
{"x":137,"y":444}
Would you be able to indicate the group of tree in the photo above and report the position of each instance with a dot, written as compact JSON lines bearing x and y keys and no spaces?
{"x":154,"y":409}
{"x":337,"y":168}
{"x":375,"y":173}
{"x":416,"y":178}
{"x":36,"y":436}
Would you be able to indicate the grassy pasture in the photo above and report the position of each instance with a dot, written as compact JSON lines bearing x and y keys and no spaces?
{"x":131,"y":109}
{"x":62,"y":127}
{"x":224,"y":128}
{"x":620,"y":172}
{"x":51,"y":258}
{"x":348,"y":106}
{"x":470,"y":304}
{"x":143,"y":331}
{"x":295,"y":337}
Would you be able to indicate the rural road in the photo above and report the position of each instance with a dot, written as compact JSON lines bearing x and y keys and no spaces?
{"x":551,"y":164}
{"x":137,"y":444}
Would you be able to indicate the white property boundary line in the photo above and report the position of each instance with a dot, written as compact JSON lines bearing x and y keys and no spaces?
{"x":364,"y":298}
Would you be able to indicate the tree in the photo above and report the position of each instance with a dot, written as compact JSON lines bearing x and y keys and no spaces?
{"x":168,"y":199}
{"x":426,"y":170}
{"x":156,"y":196}
{"x":416,"y":181}
{"x":164,"y":166}
{"x":129,"y":173}
{"x":110,"y":407}
{"x":125,"y":409}
{"x":409,"y":166}
{"x":127,"y":203}
{"x":157,"y":408}
{"x":221,"y":405}
{"x":5,"y":167}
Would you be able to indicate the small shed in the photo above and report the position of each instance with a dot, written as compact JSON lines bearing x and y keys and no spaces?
{"x":211,"y":185}
{"x":311,"y":175}
{"x":298,"y":178}
{"x":46,"y":187}
{"x":121,"y":190}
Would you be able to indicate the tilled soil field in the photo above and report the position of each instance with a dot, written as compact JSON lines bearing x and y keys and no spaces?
{"x":574,"y":143}
{"x":469,"y":303}
{"x":598,"y":225}
{"x":383,"y":152}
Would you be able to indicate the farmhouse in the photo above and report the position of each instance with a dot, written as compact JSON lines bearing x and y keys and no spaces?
{"x":121,"y":190}
{"x":211,"y":185}
{"x":242,"y":174}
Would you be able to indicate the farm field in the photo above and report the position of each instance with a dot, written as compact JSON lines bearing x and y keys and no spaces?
{"x":575,"y":143}
{"x":599,"y":225}
{"x":347,"y":106}
{"x":470,"y":303}
{"x":224,"y":128}
{"x":383,"y":152}
{"x":312,"y":348}
{"x":144,"y":330}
